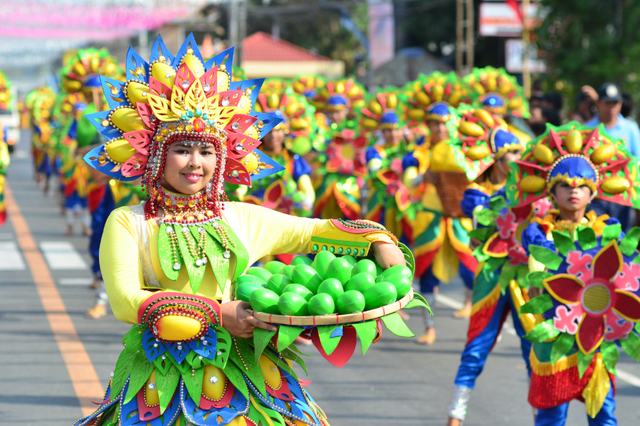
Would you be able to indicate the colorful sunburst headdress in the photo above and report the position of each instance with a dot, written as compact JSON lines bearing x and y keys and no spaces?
{"x":497,"y":91}
{"x":383,"y":111}
{"x":339,"y":95}
{"x":181,"y":98}
{"x":83,"y":69}
{"x":578,"y":156}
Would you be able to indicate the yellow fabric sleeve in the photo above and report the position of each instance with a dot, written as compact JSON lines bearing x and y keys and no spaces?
{"x":305,"y":185}
{"x":409,"y":175}
{"x":121,"y":267}
{"x":262,"y":231}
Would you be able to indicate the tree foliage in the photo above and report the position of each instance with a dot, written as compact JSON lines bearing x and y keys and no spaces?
{"x":592,"y":42}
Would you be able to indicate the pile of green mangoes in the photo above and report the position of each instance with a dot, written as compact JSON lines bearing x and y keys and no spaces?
{"x":326,"y":285}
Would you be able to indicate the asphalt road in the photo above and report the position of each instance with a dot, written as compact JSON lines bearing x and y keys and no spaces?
{"x":398,"y":382}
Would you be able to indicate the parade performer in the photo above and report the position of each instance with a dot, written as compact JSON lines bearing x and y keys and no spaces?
{"x":582,"y":265}
{"x":4,"y":163}
{"x":340,"y":100}
{"x":499,"y":287}
{"x":291,"y":190}
{"x":184,"y":127}
{"x":81,"y":75}
{"x":384,"y":122}
{"x":40,"y":103}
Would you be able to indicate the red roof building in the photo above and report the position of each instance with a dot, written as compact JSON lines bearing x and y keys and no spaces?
{"x":266,"y":56}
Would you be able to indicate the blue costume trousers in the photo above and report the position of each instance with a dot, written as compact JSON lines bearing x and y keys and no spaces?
{"x":557,"y":416}
{"x":98,"y":221}
{"x":476,"y":352}
{"x":428,"y":281}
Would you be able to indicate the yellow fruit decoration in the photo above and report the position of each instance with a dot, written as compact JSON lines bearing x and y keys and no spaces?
{"x":532,"y":184}
{"x":423,"y":98}
{"x":543,"y":154}
{"x":270,"y":372}
{"x":478,"y":152}
{"x":484,"y":116}
{"x":471,"y":129}
{"x":370,"y":123}
{"x":120,"y":150}
{"x":375,"y":108}
{"x":178,"y":328}
{"x":437,"y":92}
{"x":603,"y":153}
{"x":416,"y":114}
{"x":250,"y":162}
{"x":151,"y":395}
{"x":213,"y":383}
{"x":573,"y":141}
{"x":615,"y":185}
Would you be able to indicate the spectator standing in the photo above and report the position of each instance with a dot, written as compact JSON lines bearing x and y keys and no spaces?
{"x":609,"y":105}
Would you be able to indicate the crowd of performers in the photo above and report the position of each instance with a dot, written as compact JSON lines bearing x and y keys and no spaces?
{"x":449,"y":167}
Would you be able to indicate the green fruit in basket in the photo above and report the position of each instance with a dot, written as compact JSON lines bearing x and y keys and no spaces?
{"x":321,"y":304}
{"x":288,"y":270}
{"x":332,"y":287}
{"x":350,"y":302}
{"x":278,"y":282}
{"x":250,"y":279}
{"x":401,"y":283}
{"x":301,"y":260}
{"x":360,"y":282}
{"x":366,"y":266}
{"x":244,"y":290}
{"x":379,"y":270}
{"x":380,"y":294}
{"x":274,"y":266}
{"x":307,"y":276}
{"x":293,"y":304}
{"x":394,"y":270}
{"x":352,"y":260}
{"x":264,"y":300}
{"x":299,"y":289}
{"x":339,"y":269}
{"x":322,"y":261}
{"x":259,"y":272}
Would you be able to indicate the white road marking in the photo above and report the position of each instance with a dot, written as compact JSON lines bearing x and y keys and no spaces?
{"x":62,"y":255}
{"x":447,"y":301}
{"x":10,"y":257}
{"x":75,"y":281}
{"x":633,"y":380}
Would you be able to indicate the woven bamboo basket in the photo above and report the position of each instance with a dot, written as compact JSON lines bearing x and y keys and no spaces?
{"x":334,"y":319}
{"x":450,"y":187}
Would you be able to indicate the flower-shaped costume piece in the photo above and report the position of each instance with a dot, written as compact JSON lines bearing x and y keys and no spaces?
{"x":388,"y":196}
{"x":589,"y":266}
{"x":497,"y":91}
{"x":341,"y":176}
{"x":289,"y":191}
{"x":180,"y":365}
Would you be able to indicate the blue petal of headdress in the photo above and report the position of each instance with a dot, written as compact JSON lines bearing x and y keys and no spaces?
{"x":190,"y":42}
{"x":110,"y":131}
{"x":270,"y":121}
{"x":108,"y":168}
{"x":117,"y":100}
{"x":160,"y":49}
{"x":224,"y":57}
{"x":135,"y":61}
{"x":254,"y":84}
{"x":272,"y":166}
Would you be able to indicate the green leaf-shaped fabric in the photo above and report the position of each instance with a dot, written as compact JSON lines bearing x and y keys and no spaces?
{"x":367,"y":332}
{"x":329,"y":344}
{"x":537,"y":305}
{"x":561,"y":346}
{"x":396,"y":325}
{"x":165,"y":253}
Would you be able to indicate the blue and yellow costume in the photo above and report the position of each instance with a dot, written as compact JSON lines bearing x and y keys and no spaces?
{"x":4,"y":163}
{"x":590,"y":300}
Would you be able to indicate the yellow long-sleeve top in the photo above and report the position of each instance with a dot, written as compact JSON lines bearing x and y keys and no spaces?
{"x":131,"y":266}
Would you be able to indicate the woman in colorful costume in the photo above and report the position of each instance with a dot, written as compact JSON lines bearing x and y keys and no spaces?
{"x":184,"y":127}
{"x":290,"y":190}
{"x":499,"y":287}
{"x":582,"y":265}
{"x":40,"y":104}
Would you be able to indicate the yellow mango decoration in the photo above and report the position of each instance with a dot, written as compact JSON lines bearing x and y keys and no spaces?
{"x":270,"y":372}
{"x":369,"y":123}
{"x":615,"y":185}
{"x":416,"y":114}
{"x":573,"y":141}
{"x":454,"y":98}
{"x":514,"y":103}
{"x":194,"y":64}
{"x":603,"y":153}
{"x":213,"y":382}
{"x":375,"y":108}
{"x":151,"y":395}
{"x":543,"y":154}
{"x":484,"y":116}
{"x":505,"y":88}
{"x":273,"y":101}
{"x":532,"y":184}
{"x":119,"y":150}
{"x":437,"y":92}
{"x":423,"y":98}
{"x":137,"y":92}
{"x":250,"y":162}
{"x":164,"y":73}
{"x":299,"y":124}
{"x":177,"y":328}
{"x":392,"y":101}
{"x":478,"y":152}
{"x":471,"y":129}
{"x":127,"y":120}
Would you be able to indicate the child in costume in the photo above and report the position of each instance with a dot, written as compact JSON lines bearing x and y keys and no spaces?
{"x":4,"y":163}
{"x":170,"y":263}
{"x":291,"y":190}
{"x":582,"y":265}
{"x":498,"y":286}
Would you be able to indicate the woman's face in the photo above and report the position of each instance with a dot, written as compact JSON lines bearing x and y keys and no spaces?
{"x":274,"y":141}
{"x":439,"y":131}
{"x":571,"y":198}
{"x":509,"y":157}
{"x":188,"y":168}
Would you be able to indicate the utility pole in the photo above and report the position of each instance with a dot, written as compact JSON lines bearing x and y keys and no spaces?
{"x":464,"y":36}
{"x":233,"y":28}
{"x":526,"y":64}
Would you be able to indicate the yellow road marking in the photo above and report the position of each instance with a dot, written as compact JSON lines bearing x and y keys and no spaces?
{"x":81,"y":371}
